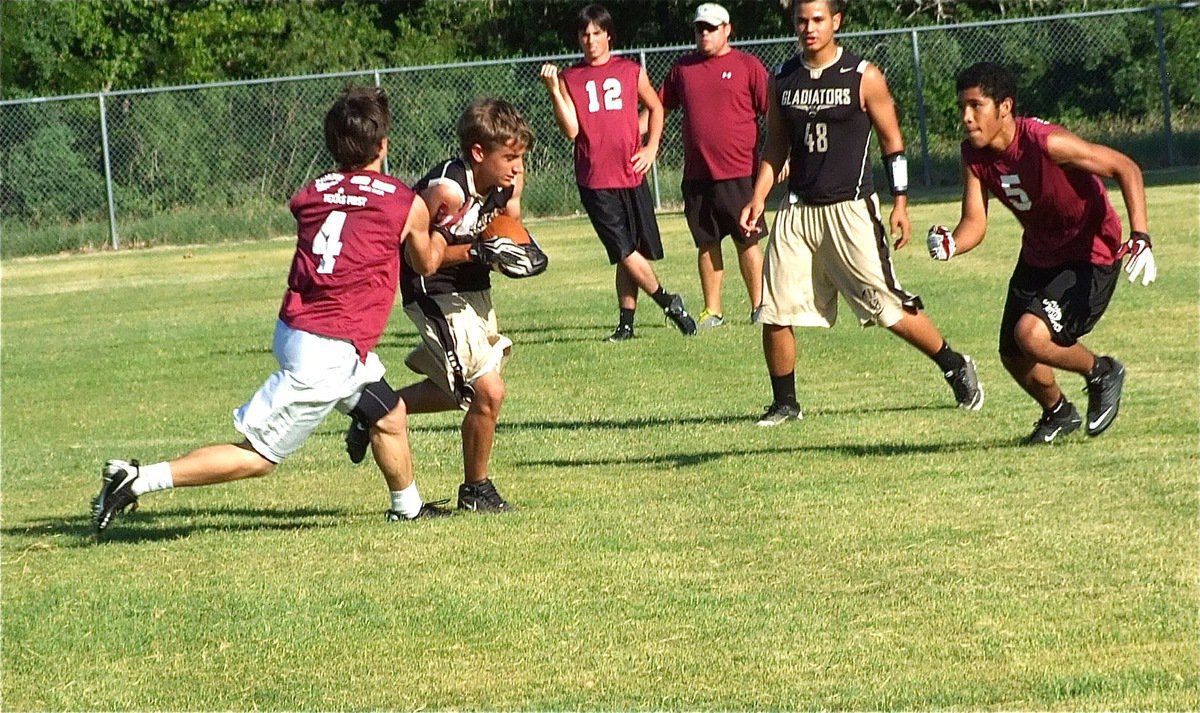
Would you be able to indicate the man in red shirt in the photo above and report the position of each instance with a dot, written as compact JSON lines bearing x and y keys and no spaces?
{"x":351,"y":225}
{"x":722,"y":92}
{"x":1071,"y":247}
{"x":596,"y":106}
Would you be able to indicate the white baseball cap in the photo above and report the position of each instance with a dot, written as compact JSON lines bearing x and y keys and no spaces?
{"x":711,"y":13}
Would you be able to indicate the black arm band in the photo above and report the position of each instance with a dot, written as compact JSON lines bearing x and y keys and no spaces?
{"x":895,"y":165}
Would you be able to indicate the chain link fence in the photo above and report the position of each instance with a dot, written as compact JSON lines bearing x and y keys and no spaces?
{"x":218,"y":162}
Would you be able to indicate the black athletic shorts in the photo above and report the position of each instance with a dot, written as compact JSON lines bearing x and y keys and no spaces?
{"x":1070,"y":299}
{"x":624,"y":220}
{"x":712,"y":209}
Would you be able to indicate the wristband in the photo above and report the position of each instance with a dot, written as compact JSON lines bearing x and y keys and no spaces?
{"x":895,"y":165}
{"x":1139,"y":235}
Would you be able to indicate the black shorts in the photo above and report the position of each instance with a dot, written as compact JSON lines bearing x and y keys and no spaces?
{"x":624,"y":220}
{"x":1070,"y":299}
{"x":712,"y":209}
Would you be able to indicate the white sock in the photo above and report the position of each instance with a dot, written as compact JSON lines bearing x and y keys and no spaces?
{"x":153,"y":477}
{"x":407,"y":502}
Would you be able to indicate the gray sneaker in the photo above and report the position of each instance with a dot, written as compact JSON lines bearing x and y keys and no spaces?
{"x":968,"y":392}
{"x":778,"y":413}
{"x":708,"y":320}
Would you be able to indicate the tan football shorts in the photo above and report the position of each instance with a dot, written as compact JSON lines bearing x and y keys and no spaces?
{"x":817,"y":251}
{"x":460,"y":341}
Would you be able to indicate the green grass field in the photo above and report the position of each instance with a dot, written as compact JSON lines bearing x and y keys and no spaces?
{"x":889,"y":552}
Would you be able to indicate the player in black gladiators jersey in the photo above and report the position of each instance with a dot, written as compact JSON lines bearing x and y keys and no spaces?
{"x":828,"y":236}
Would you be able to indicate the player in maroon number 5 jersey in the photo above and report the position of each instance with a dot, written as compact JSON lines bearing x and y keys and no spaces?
{"x":350,"y":227}
{"x":1071,"y":246}
{"x":596,"y":106}
{"x":722,"y":92}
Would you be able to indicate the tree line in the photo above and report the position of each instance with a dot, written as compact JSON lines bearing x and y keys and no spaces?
{"x":86,"y":46}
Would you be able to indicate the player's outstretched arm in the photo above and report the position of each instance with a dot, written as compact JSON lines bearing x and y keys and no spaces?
{"x":878,"y":103}
{"x":424,"y":247}
{"x":972,"y":222}
{"x":776,"y":148}
{"x":1067,"y":149}
{"x":560,"y":99}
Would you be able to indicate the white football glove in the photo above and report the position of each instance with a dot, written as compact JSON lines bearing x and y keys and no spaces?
{"x":508,"y":258}
{"x":1141,"y":260}
{"x":941,"y":243}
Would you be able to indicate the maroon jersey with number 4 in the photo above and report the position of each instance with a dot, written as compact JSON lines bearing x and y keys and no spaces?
{"x":722,"y":98}
{"x":349,"y":230}
{"x":1065,"y":212}
{"x":606,"y":105}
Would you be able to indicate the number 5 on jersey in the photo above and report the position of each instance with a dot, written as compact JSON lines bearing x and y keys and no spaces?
{"x":1011,"y":183}
{"x":328,"y":242}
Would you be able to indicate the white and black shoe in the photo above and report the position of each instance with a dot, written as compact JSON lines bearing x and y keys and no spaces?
{"x":481,"y":497}
{"x":427,"y":511}
{"x":116,"y":493}
{"x":1055,"y":425}
{"x":777,"y":413}
{"x":1104,"y":395}
{"x":964,"y":381}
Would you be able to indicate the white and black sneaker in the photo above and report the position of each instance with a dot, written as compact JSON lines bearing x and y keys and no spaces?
{"x":481,"y":497}
{"x":968,"y":392}
{"x":778,"y":413}
{"x":428,"y":511}
{"x":1104,"y":396}
{"x":677,"y":313}
{"x":116,"y":493}
{"x":1055,"y":425}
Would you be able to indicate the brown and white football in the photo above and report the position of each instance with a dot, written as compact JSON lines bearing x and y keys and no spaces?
{"x":506,"y":226}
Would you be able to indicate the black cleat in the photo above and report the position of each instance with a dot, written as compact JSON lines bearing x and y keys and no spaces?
{"x":116,"y":493}
{"x":481,"y":497}
{"x":1104,"y":396}
{"x":1051,"y":426}
{"x":623,"y":333}
{"x":427,"y":511}
{"x":968,"y":392}
{"x":677,"y":314}
{"x":358,"y":437}
{"x":778,"y":413}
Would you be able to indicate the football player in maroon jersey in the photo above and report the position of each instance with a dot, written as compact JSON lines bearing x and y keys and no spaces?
{"x":1071,"y":244}
{"x":351,"y":226}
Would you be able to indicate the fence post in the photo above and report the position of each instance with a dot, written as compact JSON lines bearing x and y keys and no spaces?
{"x":108,"y":182}
{"x":387,"y":171}
{"x":653,"y":166}
{"x":920,"y":88}
{"x":1164,"y":86}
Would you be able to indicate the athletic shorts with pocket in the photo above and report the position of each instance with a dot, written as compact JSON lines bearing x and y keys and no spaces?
{"x":1069,"y":298}
{"x":624,"y":220}
{"x":460,"y":341}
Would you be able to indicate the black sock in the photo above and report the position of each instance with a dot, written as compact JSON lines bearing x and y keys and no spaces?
{"x":662,"y":298}
{"x":626,"y":318}
{"x":1058,"y":407}
{"x":947,"y":359}
{"x":783,"y":388}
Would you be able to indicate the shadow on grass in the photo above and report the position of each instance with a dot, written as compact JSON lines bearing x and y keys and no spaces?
{"x":600,"y":424}
{"x":142,"y":525}
{"x":682,"y":460}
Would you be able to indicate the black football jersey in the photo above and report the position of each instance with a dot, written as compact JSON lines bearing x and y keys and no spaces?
{"x":460,"y":227}
{"x":830,"y":131}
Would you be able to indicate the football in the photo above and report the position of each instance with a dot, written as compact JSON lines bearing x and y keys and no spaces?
{"x":506,"y":226}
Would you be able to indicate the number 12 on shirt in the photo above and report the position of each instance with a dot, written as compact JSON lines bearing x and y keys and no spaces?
{"x":612,"y":95}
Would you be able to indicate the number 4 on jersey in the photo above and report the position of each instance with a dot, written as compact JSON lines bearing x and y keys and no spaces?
{"x":328,"y":242}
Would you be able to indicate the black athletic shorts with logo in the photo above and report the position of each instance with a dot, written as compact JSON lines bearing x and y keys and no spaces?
{"x":712,"y":209}
{"x":624,"y":220}
{"x":1070,"y":299}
